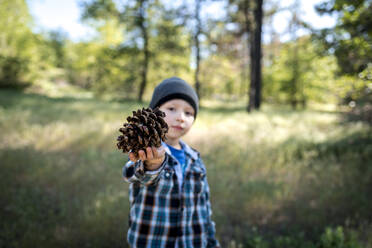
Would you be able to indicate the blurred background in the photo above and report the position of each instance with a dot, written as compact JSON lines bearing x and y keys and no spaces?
{"x":284,"y":127}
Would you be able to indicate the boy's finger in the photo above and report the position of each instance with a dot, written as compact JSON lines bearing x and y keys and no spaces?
{"x":154,"y":152}
{"x":142,"y":155}
{"x":158,"y":152}
{"x":150,"y":155}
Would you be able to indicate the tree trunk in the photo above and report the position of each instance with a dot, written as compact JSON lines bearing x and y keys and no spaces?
{"x":247,"y":30}
{"x":197,"y":47}
{"x":294,"y":60}
{"x":255,"y":54}
{"x":295,"y":75}
{"x":146,"y":52}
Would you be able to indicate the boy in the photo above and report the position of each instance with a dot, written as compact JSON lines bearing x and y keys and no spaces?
{"x":169,"y":192}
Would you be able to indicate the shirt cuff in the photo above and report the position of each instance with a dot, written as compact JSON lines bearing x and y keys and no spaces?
{"x":146,"y":176}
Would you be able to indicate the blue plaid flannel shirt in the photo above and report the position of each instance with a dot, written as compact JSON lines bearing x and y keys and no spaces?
{"x":161,"y":215}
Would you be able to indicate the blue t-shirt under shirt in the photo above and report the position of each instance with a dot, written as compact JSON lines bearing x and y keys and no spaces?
{"x":179,"y":154}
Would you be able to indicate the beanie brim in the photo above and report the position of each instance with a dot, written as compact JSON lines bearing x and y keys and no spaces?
{"x":174,"y":88}
{"x":187,"y":98}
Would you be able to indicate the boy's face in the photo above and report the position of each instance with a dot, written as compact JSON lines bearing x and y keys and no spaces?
{"x":179,"y":116}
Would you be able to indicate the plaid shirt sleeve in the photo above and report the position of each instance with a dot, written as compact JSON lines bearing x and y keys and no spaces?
{"x":135,"y":172}
{"x":212,"y":241}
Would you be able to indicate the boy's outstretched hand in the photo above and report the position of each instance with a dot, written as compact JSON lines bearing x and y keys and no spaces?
{"x":152,"y":158}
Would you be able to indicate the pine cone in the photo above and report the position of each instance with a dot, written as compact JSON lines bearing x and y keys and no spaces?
{"x":145,"y":128}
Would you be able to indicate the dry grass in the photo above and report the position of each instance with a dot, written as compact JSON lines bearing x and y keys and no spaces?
{"x":273,"y":174}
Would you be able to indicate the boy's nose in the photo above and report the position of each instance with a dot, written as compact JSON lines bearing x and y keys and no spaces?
{"x":181,"y":116}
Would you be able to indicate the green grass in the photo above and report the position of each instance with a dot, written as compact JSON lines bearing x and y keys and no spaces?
{"x":278,"y":178}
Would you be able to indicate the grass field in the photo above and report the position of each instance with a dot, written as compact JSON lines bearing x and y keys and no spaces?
{"x":278,"y":178}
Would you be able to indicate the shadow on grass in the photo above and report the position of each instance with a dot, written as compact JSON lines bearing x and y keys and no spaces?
{"x":270,"y":110}
{"x":9,"y":98}
{"x":44,"y":110}
{"x":61,"y":199}
{"x":295,"y":190}
{"x":334,"y":188}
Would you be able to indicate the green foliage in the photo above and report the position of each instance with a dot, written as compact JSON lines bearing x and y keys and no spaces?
{"x":299,"y":79}
{"x":169,"y":46}
{"x":14,"y":26}
{"x":16,"y":44}
{"x":26,"y":58}
{"x":336,"y":238}
{"x":224,"y":72}
{"x":56,"y":41}
{"x":221,"y":77}
{"x":112,"y":62}
{"x":120,"y":55}
{"x":103,"y":69}
{"x":11,"y":71}
{"x":358,"y":97}
{"x":99,"y":9}
{"x":351,"y":38}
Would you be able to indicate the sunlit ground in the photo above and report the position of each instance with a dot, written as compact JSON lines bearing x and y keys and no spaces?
{"x":277,"y":176}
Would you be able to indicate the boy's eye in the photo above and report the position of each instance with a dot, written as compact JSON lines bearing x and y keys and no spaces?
{"x":170,"y":108}
{"x":188,"y":113}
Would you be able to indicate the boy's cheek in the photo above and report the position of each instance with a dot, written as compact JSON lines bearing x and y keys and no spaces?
{"x":167,"y":121}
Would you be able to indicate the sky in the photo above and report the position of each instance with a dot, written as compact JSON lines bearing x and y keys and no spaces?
{"x":59,"y":14}
{"x":65,"y":15}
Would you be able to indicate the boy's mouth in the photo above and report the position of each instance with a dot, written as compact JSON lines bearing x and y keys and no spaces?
{"x":177,"y":127}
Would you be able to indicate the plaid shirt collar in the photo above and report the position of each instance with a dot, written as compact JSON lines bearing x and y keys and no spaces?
{"x":188,"y":150}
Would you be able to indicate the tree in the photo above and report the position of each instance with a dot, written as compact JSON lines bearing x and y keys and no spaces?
{"x":248,"y":15}
{"x":57,"y":40}
{"x":170,"y":44}
{"x":315,"y":79}
{"x":148,"y":44}
{"x":16,"y":44}
{"x":199,"y":26}
{"x":256,"y":55}
{"x":198,"y":31}
{"x":135,"y":15}
{"x":141,"y":21}
{"x":295,"y":61}
{"x":351,"y":38}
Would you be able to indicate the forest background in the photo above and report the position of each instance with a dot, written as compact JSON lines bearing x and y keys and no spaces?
{"x":294,"y":116}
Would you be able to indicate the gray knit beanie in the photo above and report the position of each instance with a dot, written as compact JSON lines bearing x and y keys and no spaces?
{"x":174,"y":88}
